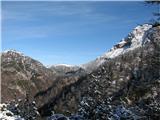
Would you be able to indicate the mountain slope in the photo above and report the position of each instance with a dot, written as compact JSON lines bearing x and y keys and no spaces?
{"x":22,"y":74}
{"x":130,"y":80}
{"x":133,"y":40}
{"x":123,"y":82}
{"x":127,"y":86}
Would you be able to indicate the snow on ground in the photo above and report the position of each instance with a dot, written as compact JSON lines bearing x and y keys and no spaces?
{"x":5,"y":114}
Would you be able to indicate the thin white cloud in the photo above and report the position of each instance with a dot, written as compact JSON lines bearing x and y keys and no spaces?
{"x":16,"y":16}
{"x":28,"y":11}
{"x":34,"y":12}
{"x":23,"y":33}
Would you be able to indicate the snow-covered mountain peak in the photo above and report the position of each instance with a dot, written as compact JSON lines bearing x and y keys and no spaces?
{"x":133,"y":40}
{"x":65,"y":65}
{"x":12,"y":52}
{"x":143,"y":27}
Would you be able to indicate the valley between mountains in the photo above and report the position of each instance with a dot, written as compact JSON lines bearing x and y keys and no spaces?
{"x":122,"y":84}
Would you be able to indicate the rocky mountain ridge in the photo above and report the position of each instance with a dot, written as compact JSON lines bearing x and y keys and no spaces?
{"x":116,"y":78}
{"x":65,"y":69}
{"x":124,"y":87}
{"x":19,"y":73}
{"x":133,"y":40}
{"x":22,"y":75}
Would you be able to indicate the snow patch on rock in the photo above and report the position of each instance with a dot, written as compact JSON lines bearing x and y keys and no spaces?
{"x":134,"y":40}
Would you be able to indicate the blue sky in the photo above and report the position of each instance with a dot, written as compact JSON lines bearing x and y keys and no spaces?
{"x":69,"y":32}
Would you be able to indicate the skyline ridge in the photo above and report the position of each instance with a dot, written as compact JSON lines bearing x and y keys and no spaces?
{"x":62,"y":31}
